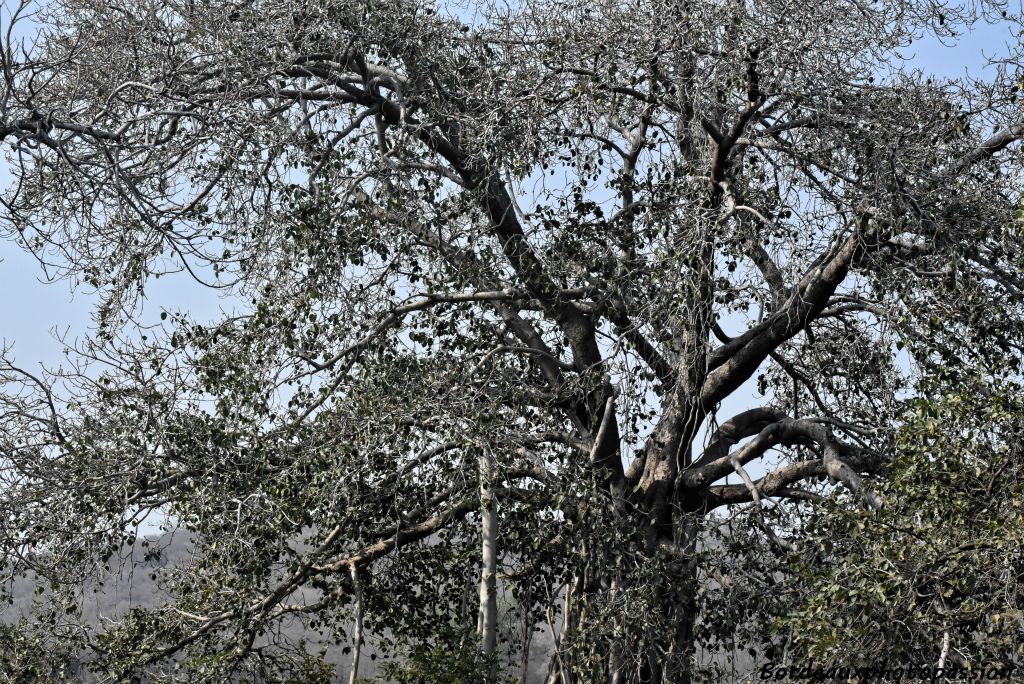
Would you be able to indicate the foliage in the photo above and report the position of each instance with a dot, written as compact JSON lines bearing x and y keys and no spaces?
{"x":450,"y":656}
{"x":935,"y":576}
{"x":24,"y":657}
{"x":491,"y":277}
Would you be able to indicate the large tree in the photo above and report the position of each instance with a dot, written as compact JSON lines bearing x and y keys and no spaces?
{"x":493,"y":271}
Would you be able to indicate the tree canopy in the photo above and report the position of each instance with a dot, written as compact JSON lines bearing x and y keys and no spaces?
{"x":493,"y":271}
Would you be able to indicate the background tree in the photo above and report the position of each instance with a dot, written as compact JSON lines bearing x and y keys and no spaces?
{"x":935,"y":581}
{"x":499,"y":265}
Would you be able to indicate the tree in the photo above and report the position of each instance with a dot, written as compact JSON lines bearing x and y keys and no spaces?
{"x":494,"y":272}
{"x":935,"y":582}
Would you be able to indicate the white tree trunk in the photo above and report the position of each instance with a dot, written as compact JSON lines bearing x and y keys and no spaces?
{"x":488,"y":619}
{"x":357,"y":635}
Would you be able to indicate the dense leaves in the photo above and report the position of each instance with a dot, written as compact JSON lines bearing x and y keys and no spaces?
{"x":490,"y":278}
{"x":935,"y":578}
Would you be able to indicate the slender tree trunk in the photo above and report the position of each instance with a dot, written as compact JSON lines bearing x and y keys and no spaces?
{"x":488,"y":617}
{"x":357,"y":635}
{"x":561,"y":663}
{"x":527,"y":639}
{"x":616,"y":660}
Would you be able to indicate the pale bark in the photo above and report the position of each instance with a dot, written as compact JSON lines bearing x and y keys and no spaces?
{"x":357,"y":632}
{"x":487,"y":624}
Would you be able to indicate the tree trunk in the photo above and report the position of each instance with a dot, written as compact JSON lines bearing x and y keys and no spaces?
{"x":653,"y":645}
{"x":357,"y":632}
{"x":488,"y":617}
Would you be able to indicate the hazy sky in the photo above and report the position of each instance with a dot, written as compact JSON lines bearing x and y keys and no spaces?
{"x":31,"y":311}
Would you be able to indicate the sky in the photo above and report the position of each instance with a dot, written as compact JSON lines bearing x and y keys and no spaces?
{"x":34,"y":314}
